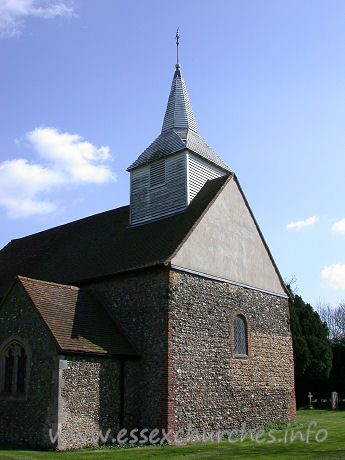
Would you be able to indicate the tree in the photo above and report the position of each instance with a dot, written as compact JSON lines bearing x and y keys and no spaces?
{"x":337,"y":376}
{"x":335,"y":319}
{"x":312,"y":350}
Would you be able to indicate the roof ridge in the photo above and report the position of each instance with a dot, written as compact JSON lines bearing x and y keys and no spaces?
{"x":26,"y":278}
{"x":68,"y":223}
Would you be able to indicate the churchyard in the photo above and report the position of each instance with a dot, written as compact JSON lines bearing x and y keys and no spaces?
{"x":326,"y":439}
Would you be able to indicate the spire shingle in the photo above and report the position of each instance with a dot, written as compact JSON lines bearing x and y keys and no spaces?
{"x":179,"y":113}
{"x":179,"y":130}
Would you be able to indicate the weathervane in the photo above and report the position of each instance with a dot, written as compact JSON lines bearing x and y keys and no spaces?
{"x":177,"y":43}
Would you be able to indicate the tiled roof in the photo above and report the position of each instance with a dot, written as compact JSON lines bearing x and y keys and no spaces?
{"x":179,"y":130}
{"x":77,"y":322}
{"x":100,"y":245}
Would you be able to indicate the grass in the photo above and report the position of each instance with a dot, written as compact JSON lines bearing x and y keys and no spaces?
{"x":332,"y":448}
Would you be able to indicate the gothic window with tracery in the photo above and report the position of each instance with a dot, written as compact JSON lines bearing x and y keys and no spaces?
{"x":14,"y":362}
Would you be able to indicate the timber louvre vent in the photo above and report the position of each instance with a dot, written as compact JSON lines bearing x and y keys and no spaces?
{"x":157,"y":173}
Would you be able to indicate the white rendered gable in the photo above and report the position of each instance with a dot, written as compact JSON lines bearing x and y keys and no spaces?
{"x":227,"y":244}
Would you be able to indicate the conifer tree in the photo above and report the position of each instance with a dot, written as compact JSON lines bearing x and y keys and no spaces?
{"x":312,"y":351}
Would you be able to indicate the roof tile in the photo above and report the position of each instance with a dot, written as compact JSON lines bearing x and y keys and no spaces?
{"x":77,"y":322}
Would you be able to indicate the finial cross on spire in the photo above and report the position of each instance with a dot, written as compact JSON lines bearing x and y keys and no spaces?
{"x":177,"y":43}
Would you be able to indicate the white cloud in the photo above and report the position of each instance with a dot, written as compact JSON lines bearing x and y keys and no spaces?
{"x":69,"y":153}
{"x":335,"y":275}
{"x":14,"y":12}
{"x":339,"y":227}
{"x":302,"y":223}
{"x":67,"y":159}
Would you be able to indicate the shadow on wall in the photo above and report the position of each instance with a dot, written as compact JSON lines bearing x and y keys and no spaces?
{"x":119,"y":378}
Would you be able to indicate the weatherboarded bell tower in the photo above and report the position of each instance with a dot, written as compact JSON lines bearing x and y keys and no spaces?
{"x":173,"y":169}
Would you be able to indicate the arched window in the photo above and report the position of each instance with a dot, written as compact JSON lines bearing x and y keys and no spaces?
{"x":14,"y":362}
{"x":240,"y":336}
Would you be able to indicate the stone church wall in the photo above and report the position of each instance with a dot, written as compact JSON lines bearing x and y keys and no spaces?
{"x":182,"y":326}
{"x":139,"y":302}
{"x":25,"y":420}
{"x":211,"y":389}
{"x":89,"y":400}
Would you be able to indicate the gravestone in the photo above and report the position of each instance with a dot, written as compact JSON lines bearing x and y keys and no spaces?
{"x":310,"y":396}
{"x":334,"y":400}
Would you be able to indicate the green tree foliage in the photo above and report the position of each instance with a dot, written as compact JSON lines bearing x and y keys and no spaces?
{"x":335,"y":319}
{"x":312,"y":351}
{"x":337,"y":376}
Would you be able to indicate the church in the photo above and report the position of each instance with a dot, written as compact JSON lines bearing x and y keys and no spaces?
{"x":165,"y":314}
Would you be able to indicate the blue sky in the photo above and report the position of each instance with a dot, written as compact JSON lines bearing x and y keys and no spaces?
{"x":84,"y":86}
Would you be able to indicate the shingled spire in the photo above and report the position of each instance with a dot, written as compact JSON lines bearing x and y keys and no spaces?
{"x":179,"y":114}
{"x":179,"y":130}
{"x":167,"y":176}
